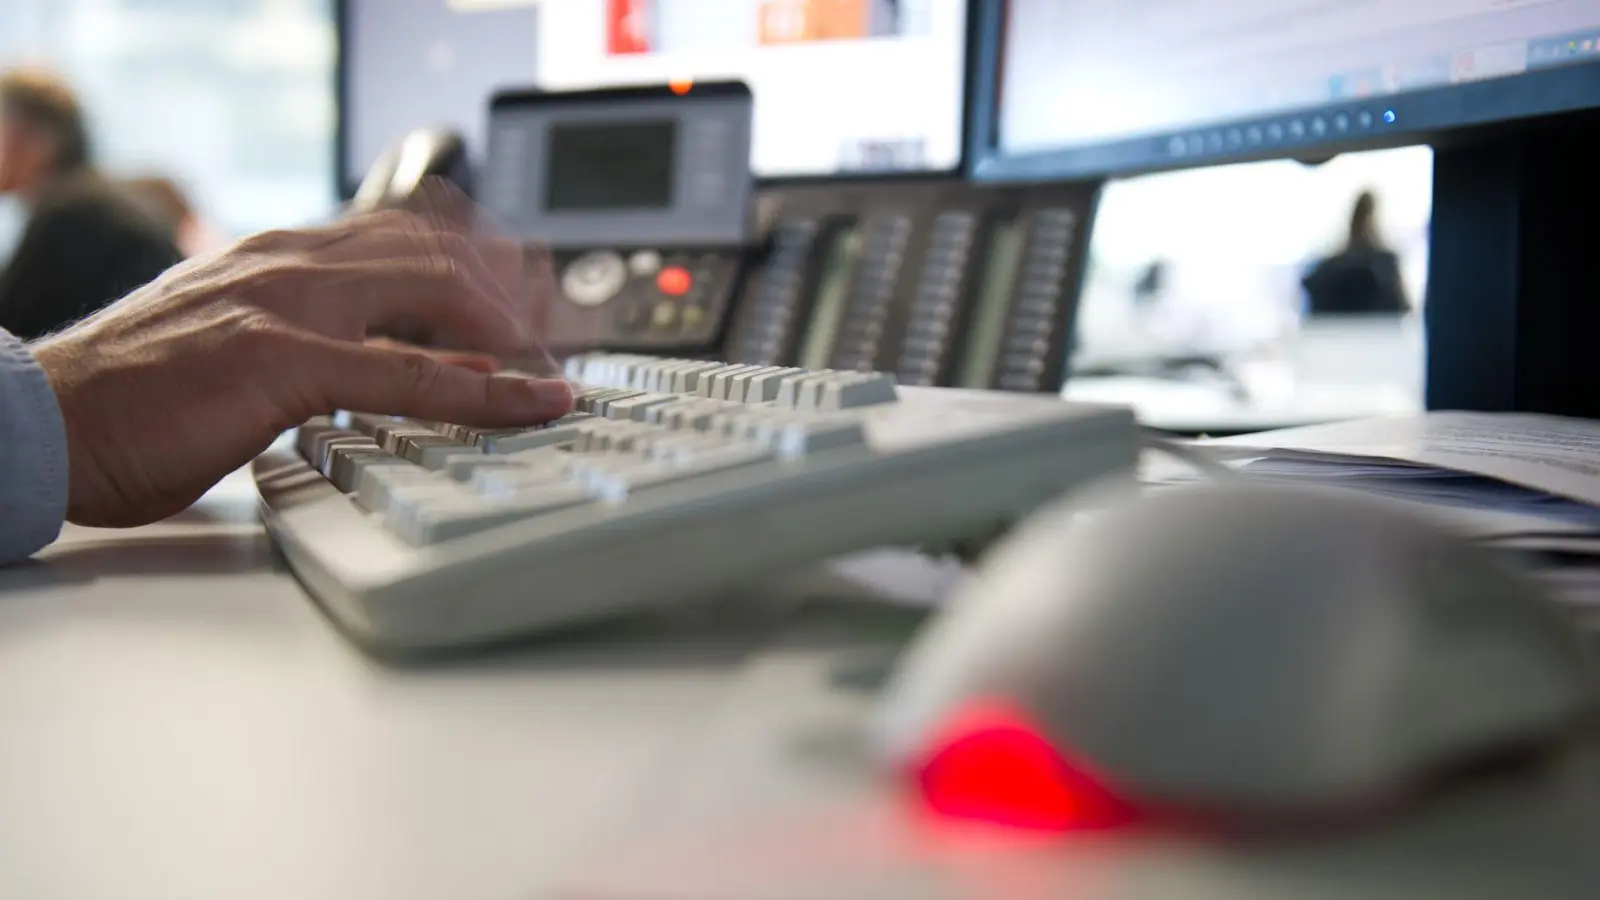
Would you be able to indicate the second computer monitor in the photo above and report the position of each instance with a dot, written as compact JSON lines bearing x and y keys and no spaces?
{"x":1086,"y":87}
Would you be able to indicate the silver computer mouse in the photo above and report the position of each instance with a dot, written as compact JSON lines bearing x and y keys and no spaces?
{"x":1236,"y":652}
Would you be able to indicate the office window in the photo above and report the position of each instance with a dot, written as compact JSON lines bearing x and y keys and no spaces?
{"x":1210,"y":264}
{"x":233,"y":99}
{"x":1234,"y":242}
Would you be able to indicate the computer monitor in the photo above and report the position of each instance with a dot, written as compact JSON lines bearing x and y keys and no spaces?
{"x":408,"y":64}
{"x":840,"y":86}
{"x":1088,"y":88}
{"x":1507,"y":92}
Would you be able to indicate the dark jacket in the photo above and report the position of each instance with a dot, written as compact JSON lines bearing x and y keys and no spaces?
{"x":1357,"y":280}
{"x":85,"y":247}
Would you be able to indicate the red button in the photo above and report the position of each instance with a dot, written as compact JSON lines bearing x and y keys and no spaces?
{"x":674,"y":281}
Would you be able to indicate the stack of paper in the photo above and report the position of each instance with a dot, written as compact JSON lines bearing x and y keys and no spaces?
{"x":1525,"y":483}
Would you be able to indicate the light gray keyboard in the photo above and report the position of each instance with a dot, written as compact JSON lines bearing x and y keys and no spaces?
{"x":672,"y":480}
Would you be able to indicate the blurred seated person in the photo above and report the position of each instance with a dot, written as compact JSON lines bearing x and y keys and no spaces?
{"x":164,"y":201}
{"x":1151,"y":284}
{"x":85,"y":243}
{"x":1363,"y":277}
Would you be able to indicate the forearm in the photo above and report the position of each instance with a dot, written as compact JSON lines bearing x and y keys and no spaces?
{"x":33,"y":455}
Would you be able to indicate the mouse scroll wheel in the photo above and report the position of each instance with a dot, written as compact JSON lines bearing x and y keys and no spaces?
{"x":991,"y":765}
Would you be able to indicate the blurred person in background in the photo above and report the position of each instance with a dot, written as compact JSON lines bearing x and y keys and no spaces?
{"x":85,"y":243}
{"x":164,"y":201}
{"x":1151,"y":284}
{"x":1364,"y":276}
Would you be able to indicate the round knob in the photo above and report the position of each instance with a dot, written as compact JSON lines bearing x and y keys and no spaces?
{"x":594,"y":278}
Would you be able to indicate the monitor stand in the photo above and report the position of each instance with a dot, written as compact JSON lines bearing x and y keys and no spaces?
{"x":1513,"y":311}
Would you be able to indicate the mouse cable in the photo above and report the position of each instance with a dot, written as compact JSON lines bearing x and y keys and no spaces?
{"x":1188,"y":454}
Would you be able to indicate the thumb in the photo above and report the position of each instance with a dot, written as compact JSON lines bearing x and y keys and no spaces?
{"x":400,"y":382}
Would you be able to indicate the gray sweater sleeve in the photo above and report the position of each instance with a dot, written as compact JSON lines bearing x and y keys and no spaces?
{"x":33,"y":455}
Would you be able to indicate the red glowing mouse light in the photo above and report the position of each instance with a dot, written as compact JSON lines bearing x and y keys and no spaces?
{"x":992,"y":765}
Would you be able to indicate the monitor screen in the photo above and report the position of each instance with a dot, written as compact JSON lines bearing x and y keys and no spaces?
{"x":427,"y":63}
{"x":840,"y":86}
{"x":1188,"y":78}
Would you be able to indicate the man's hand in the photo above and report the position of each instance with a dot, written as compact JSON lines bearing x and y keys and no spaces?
{"x":185,"y":380}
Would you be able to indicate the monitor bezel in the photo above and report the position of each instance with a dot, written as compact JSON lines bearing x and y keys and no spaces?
{"x":1429,"y":116}
{"x":348,"y":182}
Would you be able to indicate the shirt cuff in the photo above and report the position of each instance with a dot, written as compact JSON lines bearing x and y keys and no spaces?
{"x":33,"y":455}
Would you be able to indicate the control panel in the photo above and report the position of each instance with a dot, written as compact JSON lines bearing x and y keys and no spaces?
{"x":939,"y":282}
{"x":647,"y":296}
{"x":642,"y":197}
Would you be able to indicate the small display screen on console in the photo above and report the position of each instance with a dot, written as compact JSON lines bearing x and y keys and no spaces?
{"x":611,"y":166}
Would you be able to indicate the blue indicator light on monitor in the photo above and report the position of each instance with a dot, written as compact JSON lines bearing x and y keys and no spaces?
{"x":1389,"y":117}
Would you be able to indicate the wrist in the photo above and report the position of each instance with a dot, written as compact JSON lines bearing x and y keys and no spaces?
{"x":60,"y":361}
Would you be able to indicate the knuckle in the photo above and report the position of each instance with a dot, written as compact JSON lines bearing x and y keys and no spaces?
{"x":454,"y":245}
{"x":420,"y":372}
{"x":256,"y":330}
{"x":439,"y":268}
{"x":383,"y":219}
{"x":443,"y":267}
{"x":270,"y":241}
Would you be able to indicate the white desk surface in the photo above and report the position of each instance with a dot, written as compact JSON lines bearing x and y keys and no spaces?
{"x":179,"y":722}
{"x":1339,"y":367}
{"x":1209,"y":407}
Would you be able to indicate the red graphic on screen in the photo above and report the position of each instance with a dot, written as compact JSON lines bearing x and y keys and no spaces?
{"x":628,"y":26}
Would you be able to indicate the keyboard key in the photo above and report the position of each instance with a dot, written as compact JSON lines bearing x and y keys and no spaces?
{"x":368,"y":423}
{"x":634,"y":408}
{"x":763,"y":386}
{"x":478,"y":436}
{"x":700,"y":461}
{"x":390,"y":436}
{"x":378,"y":482}
{"x":658,"y":446}
{"x":463,"y":467}
{"x":510,"y":482}
{"x":438,"y":458}
{"x":657,"y":415}
{"x":547,"y":436}
{"x":687,"y":379}
{"x":615,"y":485}
{"x":602,"y":406}
{"x":402,"y":502}
{"x":858,"y":389}
{"x":697,"y":417}
{"x":807,"y":437}
{"x":720,"y":382}
{"x":305,"y":438}
{"x":588,"y":402}
{"x":739,"y":383}
{"x":325,"y":444}
{"x":345,"y":465}
{"x":808,"y":393}
{"x":412,"y":448}
{"x":792,"y":389}
{"x":592,"y":436}
{"x":447,"y":518}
